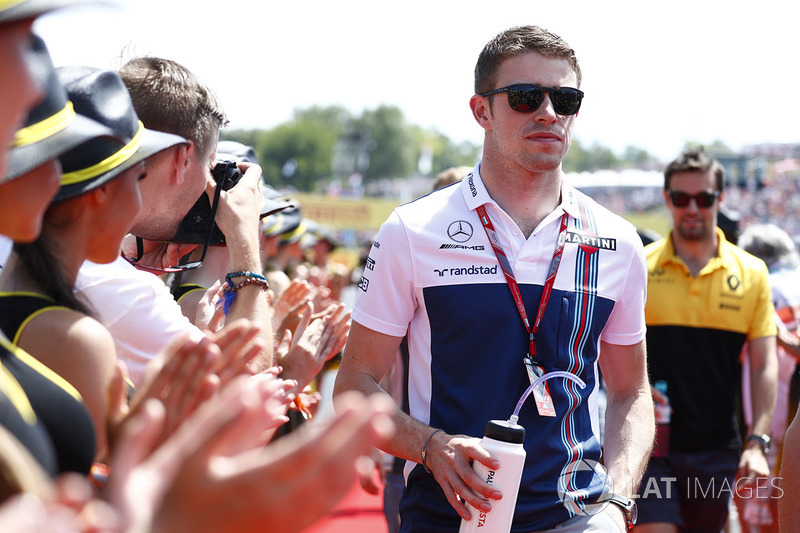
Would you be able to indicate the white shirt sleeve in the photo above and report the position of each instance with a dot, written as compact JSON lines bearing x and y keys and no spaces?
{"x":136,"y":307}
{"x":386,"y":300}
{"x":626,"y":325}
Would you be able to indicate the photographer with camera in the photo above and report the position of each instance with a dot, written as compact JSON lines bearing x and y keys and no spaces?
{"x":132,"y":302}
{"x":309,"y":332}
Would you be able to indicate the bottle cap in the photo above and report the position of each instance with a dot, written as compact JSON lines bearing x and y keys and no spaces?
{"x":505,"y":431}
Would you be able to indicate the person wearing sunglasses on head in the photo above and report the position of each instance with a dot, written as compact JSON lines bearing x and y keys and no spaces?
{"x":497,"y":280}
{"x":707,"y":299}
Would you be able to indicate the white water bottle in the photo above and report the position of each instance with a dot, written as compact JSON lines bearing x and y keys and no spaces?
{"x":503,"y":439}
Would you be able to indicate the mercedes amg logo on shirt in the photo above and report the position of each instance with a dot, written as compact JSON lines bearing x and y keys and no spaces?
{"x":460,"y":231}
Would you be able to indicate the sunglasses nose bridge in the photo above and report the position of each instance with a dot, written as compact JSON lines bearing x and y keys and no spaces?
{"x":694,"y":204}
{"x":546,"y":104}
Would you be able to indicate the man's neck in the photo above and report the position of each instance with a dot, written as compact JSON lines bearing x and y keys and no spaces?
{"x":528,"y":198}
{"x":695,"y":253}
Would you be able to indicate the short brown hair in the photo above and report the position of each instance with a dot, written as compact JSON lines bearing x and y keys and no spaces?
{"x":696,"y":161}
{"x":519,"y":40}
{"x":168,"y":97}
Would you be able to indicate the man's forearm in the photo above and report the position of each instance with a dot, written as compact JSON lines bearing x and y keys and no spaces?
{"x":410,"y":433}
{"x":251,"y":300}
{"x":629,"y":433}
{"x":763,"y":393}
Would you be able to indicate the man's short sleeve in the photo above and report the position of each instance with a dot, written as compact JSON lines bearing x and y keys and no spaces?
{"x":386,"y":301}
{"x":626,"y":325}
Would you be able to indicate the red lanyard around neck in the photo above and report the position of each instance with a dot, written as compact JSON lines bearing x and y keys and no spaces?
{"x":512,"y":281}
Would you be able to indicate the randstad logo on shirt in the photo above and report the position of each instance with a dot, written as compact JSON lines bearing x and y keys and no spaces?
{"x":473,"y":270}
{"x":592,"y":243}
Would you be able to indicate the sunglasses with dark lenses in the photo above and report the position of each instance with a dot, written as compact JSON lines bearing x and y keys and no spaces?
{"x":702,"y":199}
{"x":526,"y":98}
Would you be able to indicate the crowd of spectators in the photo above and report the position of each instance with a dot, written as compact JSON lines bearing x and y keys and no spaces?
{"x":122,"y":409}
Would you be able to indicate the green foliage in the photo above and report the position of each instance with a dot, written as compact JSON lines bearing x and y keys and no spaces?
{"x":637,"y":156}
{"x":393,"y":153}
{"x":333,"y":117}
{"x":299,"y":153}
{"x":581,"y":159}
{"x":599,"y":157}
{"x":717,"y":148}
{"x":445,"y":152}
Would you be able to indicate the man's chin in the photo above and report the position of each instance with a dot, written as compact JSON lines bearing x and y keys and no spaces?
{"x":151,"y":233}
{"x":693,"y":235}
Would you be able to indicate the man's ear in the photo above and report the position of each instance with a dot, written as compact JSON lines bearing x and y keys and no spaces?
{"x":98,"y":195}
{"x":181,"y":161}
{"x":481,"y":111}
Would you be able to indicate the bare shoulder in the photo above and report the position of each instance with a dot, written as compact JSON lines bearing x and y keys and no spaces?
{"x":62,"y":338}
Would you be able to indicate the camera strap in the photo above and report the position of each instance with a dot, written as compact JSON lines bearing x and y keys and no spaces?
{"x":183,"y":263}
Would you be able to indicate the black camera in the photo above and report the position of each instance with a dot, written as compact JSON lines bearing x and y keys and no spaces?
{"x":198,"y":226}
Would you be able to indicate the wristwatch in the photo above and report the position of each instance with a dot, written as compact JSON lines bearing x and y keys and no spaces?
{"x":628,"y":506}
{"x":762,"y":440}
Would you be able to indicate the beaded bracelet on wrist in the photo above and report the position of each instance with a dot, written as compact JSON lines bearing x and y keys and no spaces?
{"x":250,"y":278}
{"x":247,"y":281}
{"x":242,"y":274}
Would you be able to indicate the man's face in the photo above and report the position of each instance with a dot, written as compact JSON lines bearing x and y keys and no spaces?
{"x":20,"y":92}
{"x":166,"y":197}
{"x":537,"y":141}
{"x":197,"y":178}
{"x":692,"y":222}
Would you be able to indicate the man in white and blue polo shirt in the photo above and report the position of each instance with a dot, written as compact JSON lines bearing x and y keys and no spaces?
{"x":466,"y":273}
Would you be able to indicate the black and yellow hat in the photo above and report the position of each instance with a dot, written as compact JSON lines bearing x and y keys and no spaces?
{"x":52,"y":127}
{"x":287,"y":222}
{"x":13,"y":10}
{"x":101,"y":95}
